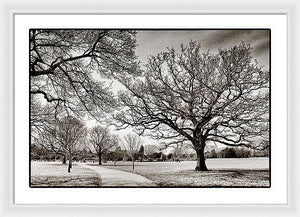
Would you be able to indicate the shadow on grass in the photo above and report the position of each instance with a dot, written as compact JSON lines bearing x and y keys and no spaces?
{"x":63,"y":181}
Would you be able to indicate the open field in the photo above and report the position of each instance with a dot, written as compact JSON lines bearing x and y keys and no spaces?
{"x":224,"y":172}
{"x":54,"y":174}
{"x":252,"y":172}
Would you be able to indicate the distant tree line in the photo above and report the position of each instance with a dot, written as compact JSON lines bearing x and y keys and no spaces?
{"x":119,"y":154}
{"x":230,"y":152}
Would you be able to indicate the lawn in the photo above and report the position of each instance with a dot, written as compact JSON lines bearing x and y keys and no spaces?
{"x":55,"y":174}
{"x":244,"y":172}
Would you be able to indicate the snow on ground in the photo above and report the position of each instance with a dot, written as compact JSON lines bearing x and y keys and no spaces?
{"x":55,"y":174}
{"x":252,"y":172}
{"x":228,"y":172}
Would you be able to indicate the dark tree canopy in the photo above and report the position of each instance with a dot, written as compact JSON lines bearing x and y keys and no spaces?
{"x":142,"y":150}
{"x":200,"y":97}
{"x":65,"y":66}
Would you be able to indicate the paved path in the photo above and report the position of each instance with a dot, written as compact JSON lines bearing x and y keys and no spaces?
{"x":111,"y":177}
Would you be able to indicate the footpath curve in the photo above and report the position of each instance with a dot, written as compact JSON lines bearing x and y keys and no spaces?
{"x":111,"y":177}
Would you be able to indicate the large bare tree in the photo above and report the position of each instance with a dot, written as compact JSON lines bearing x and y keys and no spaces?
{"x":65,"y":67}
{"x":101,"y":141}
{"x":200,"y":97}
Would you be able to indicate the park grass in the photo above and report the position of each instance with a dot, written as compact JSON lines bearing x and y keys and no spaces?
{"x":223,"y":173}
{"x":249,"y":172}
{"x":55,"y":174}
{"x":213,"y":178}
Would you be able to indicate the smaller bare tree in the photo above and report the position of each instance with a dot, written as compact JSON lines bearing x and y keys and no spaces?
{"x":102,"y":141}
{"x":69,"y":132}
{"x":132,"y":144}
{"x":150,"y":149}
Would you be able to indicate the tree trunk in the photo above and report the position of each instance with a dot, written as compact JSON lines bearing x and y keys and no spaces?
{"x":64,"y":159}
{"x":199,"y":145}
{"x":201,"y":166}
{"x":100,"y":156}
{"x":133,"y":163}
{"x":70,"y":165}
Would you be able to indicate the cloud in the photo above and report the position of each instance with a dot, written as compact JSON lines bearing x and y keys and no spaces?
{"x":227,"y":38}
{"x":261,"y":47}
{"x":154,"y":41}
{"x":223,"y":37}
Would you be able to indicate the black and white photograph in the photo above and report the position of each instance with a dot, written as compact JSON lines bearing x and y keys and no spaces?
{"x":149,"y":108}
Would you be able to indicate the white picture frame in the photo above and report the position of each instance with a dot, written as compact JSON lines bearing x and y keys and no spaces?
{"x":9,"y":208}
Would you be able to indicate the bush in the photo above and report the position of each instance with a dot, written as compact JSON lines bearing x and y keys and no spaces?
{"x":211,"y":154}
{"x":260,"y":153}
{"x":169,"y":156}
{"x":45,"y":158}
{"x":163,"y":157}
{"x":35,"y":157}
{"x":243,"y":153}
{"x":227,"y":153}
{"x":156,"y":155}
{"x":194,"y":157}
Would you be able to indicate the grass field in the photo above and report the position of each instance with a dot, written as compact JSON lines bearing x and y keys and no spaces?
{"x":250,"y":172}
{"x":54,"y":174}
{"x":244,"y":172}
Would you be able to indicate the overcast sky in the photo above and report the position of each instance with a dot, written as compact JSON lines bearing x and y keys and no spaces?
{"x":155,"y":41}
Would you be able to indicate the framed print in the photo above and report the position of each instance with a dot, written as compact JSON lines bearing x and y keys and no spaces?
{"x":110,"y":113}
{"x":81,"y":76}
{"x":152,"y":112}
